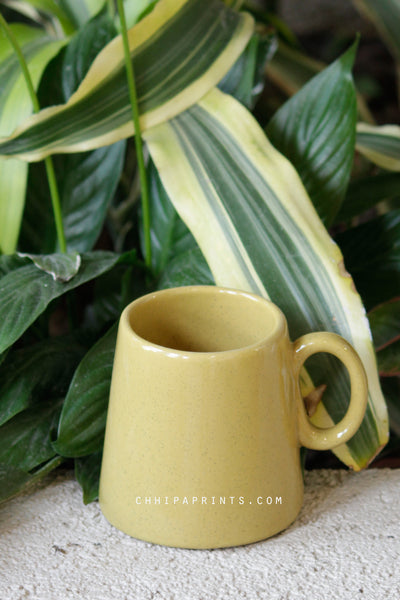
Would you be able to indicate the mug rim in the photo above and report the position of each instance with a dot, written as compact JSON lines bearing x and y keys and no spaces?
{"x":277,"y":332}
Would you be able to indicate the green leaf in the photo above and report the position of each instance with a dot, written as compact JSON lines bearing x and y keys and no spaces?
{"x":35,"y":9}
{"x":25,"y":439}
{"x":15,"y":105}
{"x":380,"y":144}
{"x":87,"y":472}
{"x":169,"y":234}
{"x":315,"y":130}
{"x":391,"y":389}
{"x":42,"y":368}
{"x":372,"y":255}
{"x":26,"y":291}
{"x":134,"y":11}
{"x":83,"y":418}
{"x":258,"y":230}
{"x":80,"y":12}
{"x":198,"y":40}
{"x":367,"y":192}
{"x":14,"y":480}
{"x":389,"y":360}
{"x":187,"y":268}
{"x":245,"y":79}
{"x":385,"y":323}
{"x":62,"y":267}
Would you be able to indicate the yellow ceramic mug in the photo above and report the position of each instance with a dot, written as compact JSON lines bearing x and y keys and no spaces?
{"x":206,"y":419}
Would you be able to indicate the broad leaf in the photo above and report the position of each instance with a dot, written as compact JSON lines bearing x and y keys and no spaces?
{"x":83,"y":418}
{"x":81,"y":12}
{"x":35,"y":9}
{"x":380,"y":144}
{"x":14,"y":480}
{"x":391,"y":389}
{"x":198,"y":42}
{"x":315,"y":130}
{"x":26,"y":291}
{"x":367,"y":192}
{"x":389,"y":360}
{"x":169,"y":234}
{"x":258,"y":230}
{"x":372,"y":255}
{"x":42,"y":368}
{"x":245,"y":79}
{"x":187,"y":268}
{"x":87,"y":472}
{"x":25,"y":439}
{"x":385,"y":323}
{"x":15,"y":105}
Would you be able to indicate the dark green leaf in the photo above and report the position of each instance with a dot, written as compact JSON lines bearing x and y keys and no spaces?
{"x":385,"y":323}
{"x":389,"y":360}
{"x":14,"y":480}
{"x":27,"y":291}
{"x":82,"y":50}
{"x":372,"y":256}
{"x":87,"y":472}
{"x":112,"y":292}
{"x":169,"y":234}
{"x":367,"y":192}
{"x":45,"y":367}
{"x":83,"y":418}
{"x":391,"y":390}
{"x":25,"y":439}
{"x":245,"y":79}
{"x":316,"y":131}
{"x":188,"y":268}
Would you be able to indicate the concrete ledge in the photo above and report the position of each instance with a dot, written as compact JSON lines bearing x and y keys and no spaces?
{"x":345,"y":545}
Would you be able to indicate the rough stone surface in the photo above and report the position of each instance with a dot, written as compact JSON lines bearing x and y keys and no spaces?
{"x":344,"y":545}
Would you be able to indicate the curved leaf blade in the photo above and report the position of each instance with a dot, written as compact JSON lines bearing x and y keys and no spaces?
{"x":258,"y":230}
{"x":25,"y":439}
{"x":83,"y":417}
{"x":380,"y":144}
{"x":315,"y":130}
{"x":367,"y":192}
{"x":42,"y":368}
{"x":372,"y":255}
{"x":197,"y":41}
{"x":15,"y":105}
{"x":26,"y":291}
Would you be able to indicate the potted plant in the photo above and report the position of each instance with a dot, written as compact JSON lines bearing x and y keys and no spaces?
{"x":296,"y":203}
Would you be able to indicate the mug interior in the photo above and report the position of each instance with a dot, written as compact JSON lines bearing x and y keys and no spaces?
{"x":204,"y":319}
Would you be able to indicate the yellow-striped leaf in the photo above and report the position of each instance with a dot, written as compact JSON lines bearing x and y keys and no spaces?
{"x":180,"y":50}
{"x":252,"y":218}
{"x":380,"y":144}
{"x":15,"y":105}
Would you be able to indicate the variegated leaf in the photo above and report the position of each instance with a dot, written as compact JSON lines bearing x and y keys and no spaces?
{"x":252,"y":218}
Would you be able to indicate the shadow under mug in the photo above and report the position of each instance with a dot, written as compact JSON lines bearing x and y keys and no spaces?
{"x":206,"y":420}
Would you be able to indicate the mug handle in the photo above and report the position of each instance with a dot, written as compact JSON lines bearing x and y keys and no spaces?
{"x":317,"y":438}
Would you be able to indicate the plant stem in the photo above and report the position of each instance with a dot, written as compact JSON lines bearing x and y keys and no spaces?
{"x":138,"y":138}
{"x":55,"y":198}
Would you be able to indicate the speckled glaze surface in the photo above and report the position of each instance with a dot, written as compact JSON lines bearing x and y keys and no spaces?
{"x":205,"y":419}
